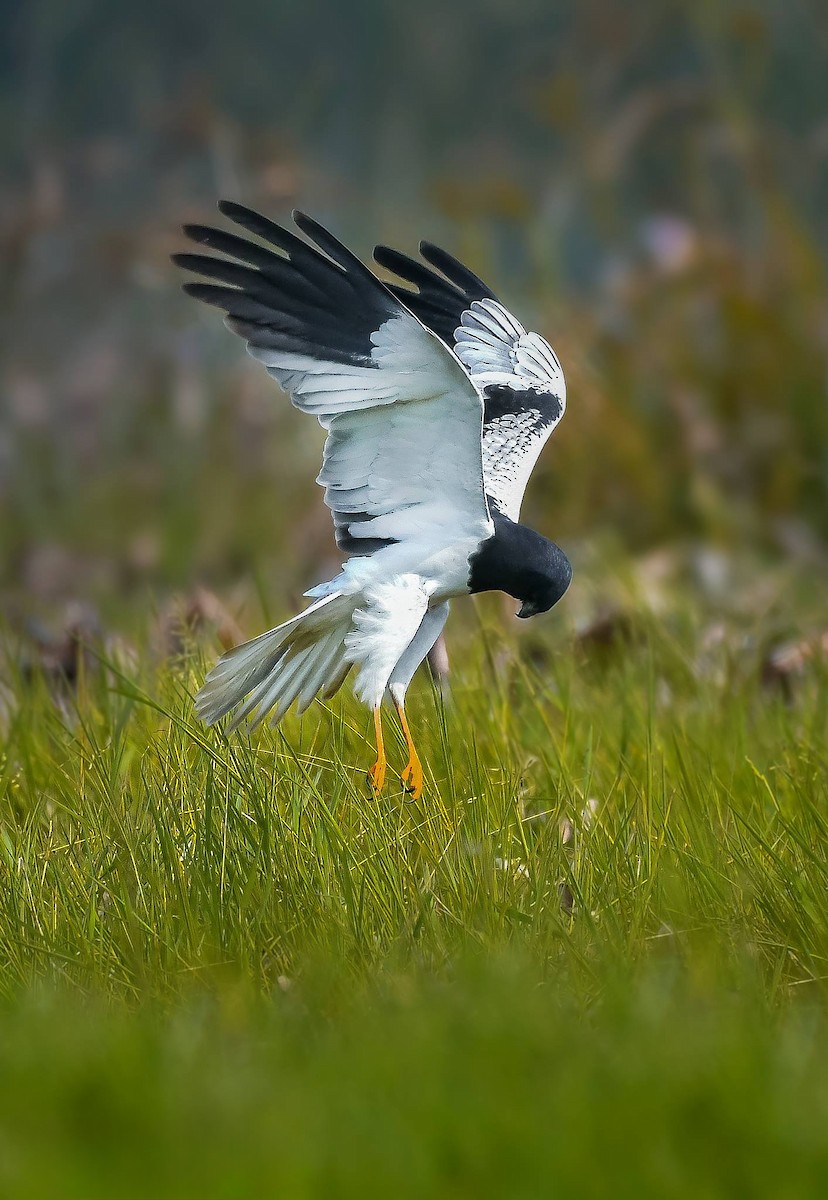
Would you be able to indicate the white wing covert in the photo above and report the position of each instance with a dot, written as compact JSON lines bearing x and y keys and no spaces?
{"x":523,"y":386}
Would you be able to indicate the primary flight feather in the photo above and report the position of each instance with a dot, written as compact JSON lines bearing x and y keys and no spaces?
{"x":437,"y":403}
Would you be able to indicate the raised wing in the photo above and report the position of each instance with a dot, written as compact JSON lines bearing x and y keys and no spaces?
{"x":517,"y":373}
{"x":403,"y":455}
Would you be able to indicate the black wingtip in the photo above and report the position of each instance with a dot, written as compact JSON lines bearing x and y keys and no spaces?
{"x":455,"y":271}
{"x":431,"y":251}
{"x":330,"y":245}
{"x":255,"y":222}
{"x":307,"y":224}
{"x":439,"y":258}
{"x":202,"y":235}
{"x":235,"y":211}
{"x":380,"y":253}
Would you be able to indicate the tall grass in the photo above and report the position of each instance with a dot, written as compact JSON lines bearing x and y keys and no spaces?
{"x":594,"y":954}
{"x":141,"y":848}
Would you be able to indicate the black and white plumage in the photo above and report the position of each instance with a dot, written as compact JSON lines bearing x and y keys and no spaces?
{"x":436,"y":403}
{"x":517,"y":373}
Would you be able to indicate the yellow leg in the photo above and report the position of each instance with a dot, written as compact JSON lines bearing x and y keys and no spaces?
{"x":376,"y":775}
{"x":412,"y":775}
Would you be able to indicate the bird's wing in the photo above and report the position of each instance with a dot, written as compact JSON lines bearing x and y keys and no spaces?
{"x":403,"y":456}
{"x":518,"y":373}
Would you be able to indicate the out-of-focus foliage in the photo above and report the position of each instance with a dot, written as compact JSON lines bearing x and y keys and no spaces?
{"x":646,"y":183}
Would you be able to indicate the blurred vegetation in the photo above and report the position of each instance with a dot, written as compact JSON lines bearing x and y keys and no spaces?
{"x":647,"y":186}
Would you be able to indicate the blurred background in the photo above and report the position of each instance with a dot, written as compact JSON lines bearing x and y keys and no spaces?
{"x":647,"y":184}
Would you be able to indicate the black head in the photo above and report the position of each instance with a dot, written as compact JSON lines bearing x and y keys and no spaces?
{"x":541,"y":589}
{"x":523,"y":564}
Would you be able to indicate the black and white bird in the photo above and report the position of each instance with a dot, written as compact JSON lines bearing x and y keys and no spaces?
{"x":436,"y":403}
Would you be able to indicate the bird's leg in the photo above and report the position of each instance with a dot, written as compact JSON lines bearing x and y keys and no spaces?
{"x":412,"y":774}
{"x":376,"y":775}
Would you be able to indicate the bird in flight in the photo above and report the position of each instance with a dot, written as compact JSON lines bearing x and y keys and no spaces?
{"x":437,"y":403}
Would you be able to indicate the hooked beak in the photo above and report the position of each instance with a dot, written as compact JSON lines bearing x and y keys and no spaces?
{"x":527,"y":609}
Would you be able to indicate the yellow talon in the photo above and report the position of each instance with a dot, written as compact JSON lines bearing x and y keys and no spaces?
{"x":412,"y":777}
{"x":412,"y":774}
{"x":376,"y":776}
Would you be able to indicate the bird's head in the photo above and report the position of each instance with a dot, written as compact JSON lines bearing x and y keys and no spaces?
{"x":523,"y":564}
{"x":542,"y":586}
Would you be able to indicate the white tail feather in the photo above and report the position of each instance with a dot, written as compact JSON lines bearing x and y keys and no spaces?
{"x":295,"y":660}
{"x":319,"y":671}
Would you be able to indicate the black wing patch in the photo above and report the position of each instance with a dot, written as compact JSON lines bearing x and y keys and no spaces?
{"x":503,"y":402}
{"x":344,"y":347}
{"x":517,"y":373}
{"x":317,"y":300}
{"x":440,"y":299}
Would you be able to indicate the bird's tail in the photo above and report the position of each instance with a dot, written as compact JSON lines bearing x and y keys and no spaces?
{"x":293,"y":662}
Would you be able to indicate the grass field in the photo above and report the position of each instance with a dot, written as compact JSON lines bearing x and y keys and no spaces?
{"x":592,"y":961}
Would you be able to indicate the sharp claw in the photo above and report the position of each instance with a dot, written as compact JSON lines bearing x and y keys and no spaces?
{"x":376,"y":777}
{"x":412,"y":775}
{"x":412,"y":778}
